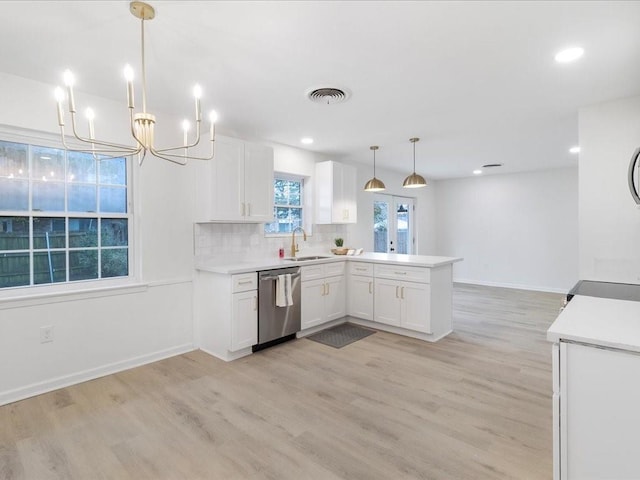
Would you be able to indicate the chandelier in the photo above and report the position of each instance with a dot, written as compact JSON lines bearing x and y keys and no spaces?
{"x":142,"y":123}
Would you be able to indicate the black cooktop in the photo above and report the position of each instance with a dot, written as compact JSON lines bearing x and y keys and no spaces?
{"x":618,"y":291}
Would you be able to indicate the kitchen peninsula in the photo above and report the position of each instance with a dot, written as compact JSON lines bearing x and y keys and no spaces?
{"x":405,"y":294}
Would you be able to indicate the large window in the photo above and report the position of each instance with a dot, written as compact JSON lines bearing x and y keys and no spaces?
{"x":64,"y":216}
{"x":288,"y":202}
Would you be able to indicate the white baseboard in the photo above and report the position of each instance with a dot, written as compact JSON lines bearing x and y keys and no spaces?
{"x":39,"y":388}
{"x":516,"y":286}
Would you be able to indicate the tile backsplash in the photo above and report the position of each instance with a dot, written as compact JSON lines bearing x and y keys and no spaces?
{"x":241,"y":241}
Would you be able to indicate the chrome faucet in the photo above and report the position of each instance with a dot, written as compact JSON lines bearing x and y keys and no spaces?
{"x":294,"y":246}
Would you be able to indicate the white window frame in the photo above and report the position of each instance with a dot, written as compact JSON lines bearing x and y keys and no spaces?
{"x":109,"y":286}
{"x":304,"y":203}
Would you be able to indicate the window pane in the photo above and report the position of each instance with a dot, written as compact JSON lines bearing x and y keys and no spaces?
{"x":82,"y":198}
{"x":14,"y":269}
{"x":48,"y":232}
{"x":115,"y":262}
{"x":113,"y":171}
{"x":114,"y":232}
{"x":13,"y":160}
{"x":49,"y":267}
{"x":113,"y":200}
{"x":48,"y":163}
{"x":14,"y":233}
{"x":81,"y":167}
{"x":48,"y":196}
{"x":14,"y":194}
{"x":83,"y":232}
{"x":83,"y":264}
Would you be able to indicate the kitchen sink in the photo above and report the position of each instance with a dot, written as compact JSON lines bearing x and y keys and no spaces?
{"x":307,"y":259}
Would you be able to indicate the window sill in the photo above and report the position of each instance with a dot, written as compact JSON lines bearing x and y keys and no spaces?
{"x":28,"y":299}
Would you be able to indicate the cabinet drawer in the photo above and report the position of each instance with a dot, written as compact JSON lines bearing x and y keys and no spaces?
{"x":312,"y":272}
{"x":333,"y":269}
{"x":359,"y":268}
{"x":408,"y":274}
{"x":244,"y":282}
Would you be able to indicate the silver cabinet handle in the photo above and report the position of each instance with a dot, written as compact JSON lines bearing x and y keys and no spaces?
{"x":245,"y":282}
{"x":255,"y":303}
{"x":324,"y":289}
{"x":402,"y":293}
{"x":327,"y":288}
{"x":397,"y":287}
{"x":370,"y":287}
{"x":400,"y":273}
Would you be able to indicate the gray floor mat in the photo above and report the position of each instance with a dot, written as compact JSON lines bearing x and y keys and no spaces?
{"x":341,"y":335}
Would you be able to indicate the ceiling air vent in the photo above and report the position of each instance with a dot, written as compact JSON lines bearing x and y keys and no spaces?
{"x":328,"y":95}
{"x":491,"y":165}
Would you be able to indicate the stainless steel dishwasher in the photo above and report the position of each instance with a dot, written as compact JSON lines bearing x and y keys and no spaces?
{"x":277,"y":324}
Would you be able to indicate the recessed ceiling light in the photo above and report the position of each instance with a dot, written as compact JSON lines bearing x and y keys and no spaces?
{"x":569,"y":54}
{"x":477,"y":172}
{"x":575,"y":149}
{"x":306,"y":140}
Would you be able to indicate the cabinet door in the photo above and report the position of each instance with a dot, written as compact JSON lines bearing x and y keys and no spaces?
{"x":387,"y":302}
{"x":334,"y":300}
{"x":414,"y":307}
{"x":349,"y":195}
{"x":258,"y":182}
{"x":244,"y":320}
{"x":227,"y":192}
{"x":312,"y":299}
{"x":360,"y":301}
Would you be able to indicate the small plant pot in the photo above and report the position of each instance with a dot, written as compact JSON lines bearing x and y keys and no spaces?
{"x":339,"y":251}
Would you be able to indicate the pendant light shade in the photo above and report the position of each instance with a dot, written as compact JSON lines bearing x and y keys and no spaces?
{"x":374,"y":185}
{"x":414,"y":180}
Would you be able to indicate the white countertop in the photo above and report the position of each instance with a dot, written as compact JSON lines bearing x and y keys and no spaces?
{"x":218,"y":265}
{"x":599,"y":321}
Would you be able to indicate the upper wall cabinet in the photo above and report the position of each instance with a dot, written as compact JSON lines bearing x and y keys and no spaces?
{"x":336,"y":193}
{"x":237,"y":185}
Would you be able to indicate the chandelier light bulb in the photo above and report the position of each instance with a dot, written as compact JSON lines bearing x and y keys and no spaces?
{"x":197,"y":91}
{"x":90,"y":114}
{"x":58,"y":94}
{"x":213,"y":116}
{"x":69,"y":79}
{"x":128,"y":73}
{"x":186,"y":125}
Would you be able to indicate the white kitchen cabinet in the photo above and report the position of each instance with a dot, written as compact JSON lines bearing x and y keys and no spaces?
{"x":237,"y":185}
{"x":244,"y":320}
{"x":322,"y":294}
{"x":360,"y":290}
{"x":403,"y":297}
{"x":596,"y":415}
{"x":226,"y":313}
{"x":336,"y":193}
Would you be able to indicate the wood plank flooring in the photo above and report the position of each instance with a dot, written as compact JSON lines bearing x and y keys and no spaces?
{"x":476,"y":405}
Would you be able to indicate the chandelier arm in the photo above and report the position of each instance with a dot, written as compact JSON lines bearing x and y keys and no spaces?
{"x":173,"y":157}
{"x":108,"y":145}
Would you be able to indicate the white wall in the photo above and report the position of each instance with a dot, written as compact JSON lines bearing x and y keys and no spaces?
{"x":516,"y":230}
{"x":96,"y":334}
{"x":609,"y":220}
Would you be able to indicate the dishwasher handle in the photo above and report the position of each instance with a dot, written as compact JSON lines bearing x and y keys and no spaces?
{"x":275,"y":277}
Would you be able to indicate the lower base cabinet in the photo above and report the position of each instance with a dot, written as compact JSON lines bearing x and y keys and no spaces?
{"x":226,"y":313}
{"x":322,"y":294}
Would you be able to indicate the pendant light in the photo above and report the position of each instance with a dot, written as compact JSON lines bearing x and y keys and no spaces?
{"x":374,"y":185}
{"x":414,"y":180}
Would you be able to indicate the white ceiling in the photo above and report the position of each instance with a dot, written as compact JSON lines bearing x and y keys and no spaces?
{"x":476,"y":81}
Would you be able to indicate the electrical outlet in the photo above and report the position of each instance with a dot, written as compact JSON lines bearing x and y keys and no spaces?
{"x":46,"y":334}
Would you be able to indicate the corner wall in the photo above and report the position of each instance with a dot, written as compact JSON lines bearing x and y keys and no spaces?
{"x":513,"y":230}
{"x":609,"y":219}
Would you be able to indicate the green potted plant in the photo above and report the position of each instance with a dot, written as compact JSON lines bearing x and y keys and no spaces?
{"x":339,"y":250}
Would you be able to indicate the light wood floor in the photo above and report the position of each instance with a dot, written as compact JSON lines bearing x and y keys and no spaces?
{"x":475,"y":405}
